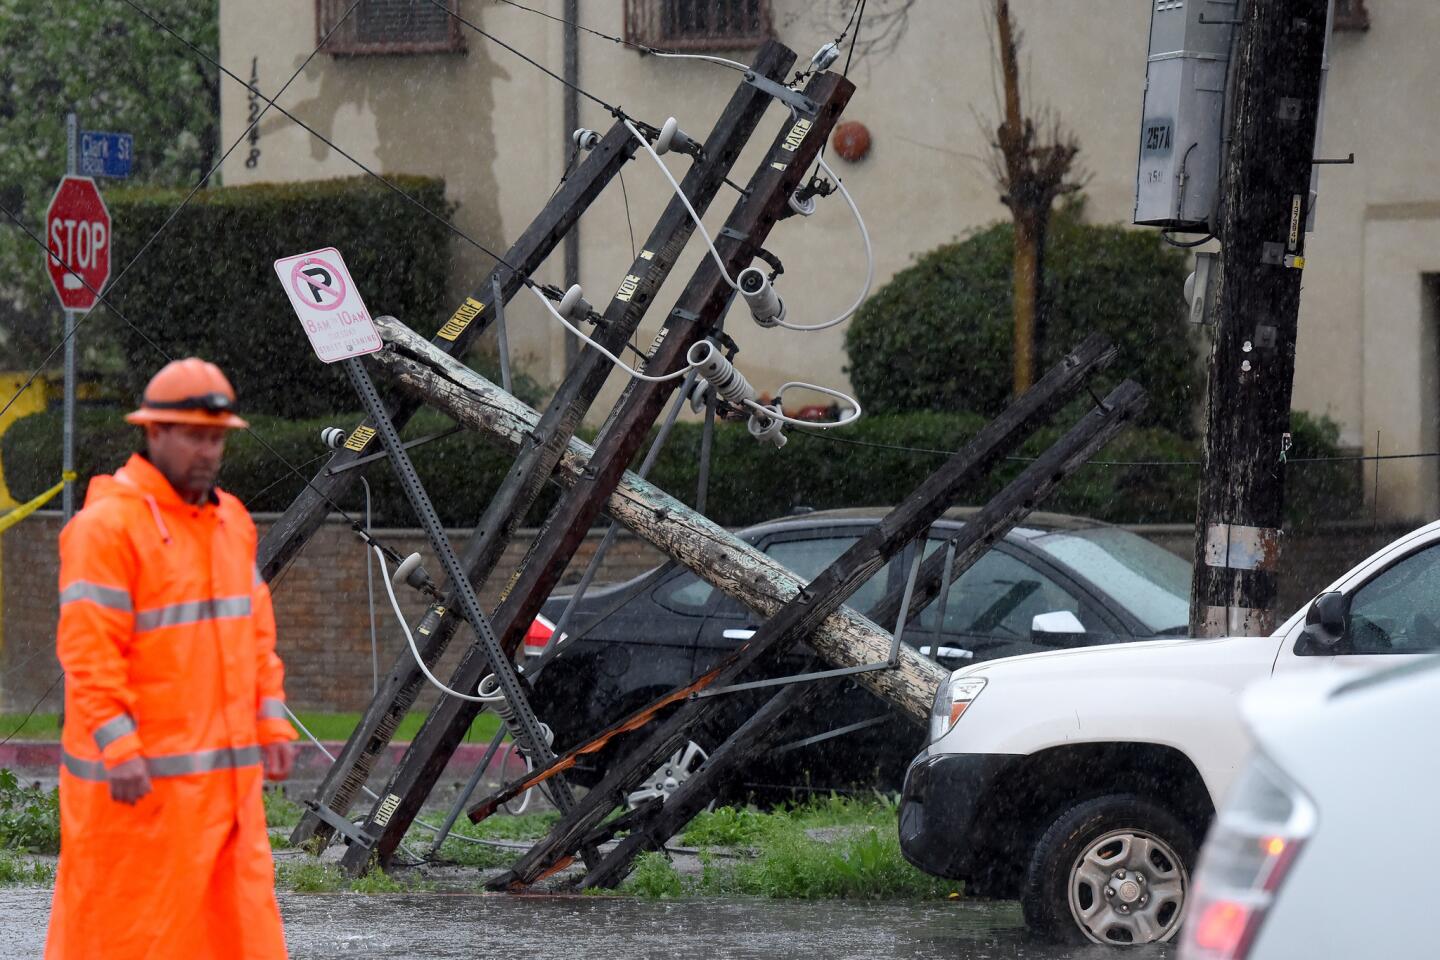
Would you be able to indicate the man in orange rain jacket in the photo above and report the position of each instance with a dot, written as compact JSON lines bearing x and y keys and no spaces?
{"x":174,"y":705}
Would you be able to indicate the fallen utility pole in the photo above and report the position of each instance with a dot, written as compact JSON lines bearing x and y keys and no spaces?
{"x":825,"y":594}
{"x":1007,"y":508}
{"x":717,"y":556}
{"x":1252,"y":361}
{"x":522,"y":483}
{"x":701,"y":307}
{"x":289,"y":534}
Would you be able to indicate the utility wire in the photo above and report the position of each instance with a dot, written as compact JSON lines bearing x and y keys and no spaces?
{"x":355,"y":524}
{"x":333,"y":146}
{"x":621,"y":41}
{"x":176,"y":212}
{"x":614,"y":111}
{"x":48,"y":690}
{"x":933,"y":451}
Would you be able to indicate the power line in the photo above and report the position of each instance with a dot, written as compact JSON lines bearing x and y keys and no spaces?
{"x":614,"y":111}
{"x":333,"y":146}
{"x":173,"y":214}
{"x":53,"y":684}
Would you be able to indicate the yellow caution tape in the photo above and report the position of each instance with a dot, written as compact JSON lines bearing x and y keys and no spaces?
{"x":25,"y":509}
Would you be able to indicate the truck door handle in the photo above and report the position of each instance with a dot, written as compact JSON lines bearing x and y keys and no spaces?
{"x":744,"y":634}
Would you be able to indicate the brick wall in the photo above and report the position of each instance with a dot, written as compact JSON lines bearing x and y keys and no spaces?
{"x":320,"y":607}
{"x":325,"y":629}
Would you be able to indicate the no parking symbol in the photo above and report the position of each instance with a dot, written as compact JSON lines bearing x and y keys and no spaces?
{"x":328,"y":305}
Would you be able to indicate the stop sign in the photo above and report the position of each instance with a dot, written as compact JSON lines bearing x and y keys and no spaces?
{"x":77,"y":231}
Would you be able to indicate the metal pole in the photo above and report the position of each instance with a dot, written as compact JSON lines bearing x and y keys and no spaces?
{"x":501,"y":336}
{"x":571,"y":246}
{"x":72,"y":152}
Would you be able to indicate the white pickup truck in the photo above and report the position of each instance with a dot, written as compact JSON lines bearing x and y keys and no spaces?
{"x":1082,"y":781}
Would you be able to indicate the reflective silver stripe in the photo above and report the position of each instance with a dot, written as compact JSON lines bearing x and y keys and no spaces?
{"x":115,"y":598}
{"x":84,"y":769}
{"x":175,"y":765}
{"x":112,"y":730}
{"x":202,"y":761}
{"x":192,"y":611}
{"x":271,"y":708}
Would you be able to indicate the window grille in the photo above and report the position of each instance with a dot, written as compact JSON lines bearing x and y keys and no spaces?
{"x":697,"y":24}
{"x":389,"y":26}
{"x":1351,"y":15}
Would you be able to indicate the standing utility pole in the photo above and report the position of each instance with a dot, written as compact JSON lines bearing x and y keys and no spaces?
{"x":1252,"y":363}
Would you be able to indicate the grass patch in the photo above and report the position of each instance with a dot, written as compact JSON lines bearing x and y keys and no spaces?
{"x":325,"y":726}
{"x":528,"y":826}
{"x":861,"y":862}
{"x":29,"y":818}
{"x":17,"y":871}
{"x":311,"y":876}
{"x":280,"y":810}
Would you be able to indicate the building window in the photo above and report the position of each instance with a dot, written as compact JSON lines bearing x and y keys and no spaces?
{"x":389,"y":26}
{"x":697,"y":24}
{"x":1351,"y":15}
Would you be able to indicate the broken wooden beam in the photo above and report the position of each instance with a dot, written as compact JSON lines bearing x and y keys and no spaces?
{"x":824,"y":595}
{"x":1007,"y":508}
{"x":622,"y":316}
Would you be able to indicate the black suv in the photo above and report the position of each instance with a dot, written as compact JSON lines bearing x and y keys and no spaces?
{"x":1055,"y":582}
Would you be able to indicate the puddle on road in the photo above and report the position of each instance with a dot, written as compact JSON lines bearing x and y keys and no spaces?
{"x":444,"y":926}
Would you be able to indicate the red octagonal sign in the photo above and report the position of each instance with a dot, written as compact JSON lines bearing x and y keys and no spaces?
{"x":77,"y":231}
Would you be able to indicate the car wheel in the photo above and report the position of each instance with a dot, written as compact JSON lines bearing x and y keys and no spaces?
{"x":1112,"y":870}
{"x":667,"y":778}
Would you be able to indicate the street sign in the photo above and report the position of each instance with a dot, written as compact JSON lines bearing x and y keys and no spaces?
{"x":328,"y":304}
{"x":77,"y":232}
{"x":105,"y":154}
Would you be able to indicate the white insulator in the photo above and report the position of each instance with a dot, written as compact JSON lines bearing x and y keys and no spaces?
{"x":720,"y":373}
{"x":765,"y":304}
{"x":767,"y":430}
{"x":332,"y":437}
{"x":825,"y":57}
{"x":585,"y":138}
{"x":573,"y":306}
{"x":804,"y":207}
{"x":673,"y":138}
{"x":410,"y":571}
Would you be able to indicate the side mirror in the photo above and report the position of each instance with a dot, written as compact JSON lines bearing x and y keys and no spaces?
{"x":1328,"y":620}
{"x":1057,"y":621}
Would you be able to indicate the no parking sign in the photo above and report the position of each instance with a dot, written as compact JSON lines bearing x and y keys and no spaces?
{"x":328,"y":305}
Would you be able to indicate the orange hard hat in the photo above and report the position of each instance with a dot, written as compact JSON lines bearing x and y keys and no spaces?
{"x":190,"y":391}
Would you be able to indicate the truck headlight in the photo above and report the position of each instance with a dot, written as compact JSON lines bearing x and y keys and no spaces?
{"x":951,"y":701}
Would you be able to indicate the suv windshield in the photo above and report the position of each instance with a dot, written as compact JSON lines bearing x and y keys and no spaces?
{"x":1149,"y":581}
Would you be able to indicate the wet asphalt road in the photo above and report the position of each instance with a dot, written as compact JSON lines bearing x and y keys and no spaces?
{"x":439,"y":926}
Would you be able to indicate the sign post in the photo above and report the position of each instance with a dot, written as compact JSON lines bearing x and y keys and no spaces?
{"x":78,"y":240}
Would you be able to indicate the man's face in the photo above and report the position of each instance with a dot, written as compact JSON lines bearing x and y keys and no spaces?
{"x":189,"y":456}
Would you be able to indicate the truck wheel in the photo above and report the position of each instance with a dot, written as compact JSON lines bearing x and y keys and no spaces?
{"x":1113,"y":870}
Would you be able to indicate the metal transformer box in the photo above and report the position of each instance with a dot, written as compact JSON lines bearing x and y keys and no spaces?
{"x":1184,"y":116}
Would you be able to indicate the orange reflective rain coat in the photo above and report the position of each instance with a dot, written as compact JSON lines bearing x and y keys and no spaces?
{"x":167,"y":638}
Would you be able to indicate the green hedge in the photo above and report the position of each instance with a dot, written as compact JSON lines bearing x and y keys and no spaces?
{"x":207,"y":286}
{"x":939,"y":336}
{"x":876,"y":462}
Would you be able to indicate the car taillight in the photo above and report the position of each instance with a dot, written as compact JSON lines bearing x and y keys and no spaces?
{"x":1255,"y":840}
{"x":537,"y":638}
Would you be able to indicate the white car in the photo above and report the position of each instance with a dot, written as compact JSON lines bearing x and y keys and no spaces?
{"x":1326,"y":846}
{"x":1082,"y":781}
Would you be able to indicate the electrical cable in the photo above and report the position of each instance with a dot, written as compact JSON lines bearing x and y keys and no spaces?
{"x":628,"y":222}
{"x":684,"y":200}
{"x":370,"y":600}
{"x":36,"y":706}
{"x":613,"y":110}
{"x":176,"y":212}
{"x":410,"y":639}
{"x":869,"y":261}
{"x":603,"y":352}
{"x":634,"y":45}
{"x":332,"y":145}
{"x":102,"y":299}
{"x":773,"y":413}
